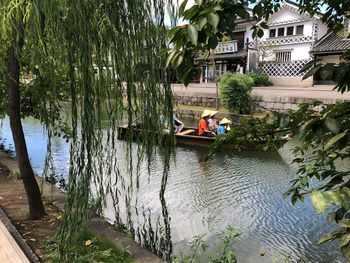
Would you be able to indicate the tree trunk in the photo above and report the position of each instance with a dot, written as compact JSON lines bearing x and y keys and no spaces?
{"x":36,"y":208}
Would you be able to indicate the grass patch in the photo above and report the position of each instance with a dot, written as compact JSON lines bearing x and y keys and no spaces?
{"x":88,"y":249}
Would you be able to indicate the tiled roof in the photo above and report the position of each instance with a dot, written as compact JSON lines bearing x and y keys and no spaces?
{"x":226,"y":56}
{"x":331,"y":43}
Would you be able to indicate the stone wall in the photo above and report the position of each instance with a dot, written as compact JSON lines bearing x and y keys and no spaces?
{"x":262,"y":103}
{"x":197,"y":101}
{"x":286,"y":103}
{"x":196,"y":115}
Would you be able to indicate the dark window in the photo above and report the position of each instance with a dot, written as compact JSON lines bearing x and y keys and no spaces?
{"x":281,"y":32}
{"x":272,"y":32}
{"x":290,"y":30}
{"x":300,"y":30}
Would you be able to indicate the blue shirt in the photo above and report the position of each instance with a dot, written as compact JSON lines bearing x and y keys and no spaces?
{"x":220,"y":130}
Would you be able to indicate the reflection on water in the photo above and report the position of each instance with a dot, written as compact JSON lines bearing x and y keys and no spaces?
{"x":239,"y":189}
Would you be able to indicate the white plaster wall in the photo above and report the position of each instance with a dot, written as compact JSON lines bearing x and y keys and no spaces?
{"x":308,"y":28}
{"x":291,"y":81}
{"x":248,"y":34}
{"x":301,"y":51}
{"x":322,"y":29}
{"x":283,"y":14}
{"x":331,"y":59}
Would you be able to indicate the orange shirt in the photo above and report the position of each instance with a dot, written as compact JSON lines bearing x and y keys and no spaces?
{"x":202,"y":126}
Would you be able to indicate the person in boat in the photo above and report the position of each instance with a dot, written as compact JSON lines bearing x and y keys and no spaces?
{"x":224,"y":126}
{"x":178,"y":125}
{"x":212,"y":124}
{"x":203,"y":129}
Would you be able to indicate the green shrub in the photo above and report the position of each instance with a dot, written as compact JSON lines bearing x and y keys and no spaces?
{"x":260,"y":79}
{"x":235,"y":92}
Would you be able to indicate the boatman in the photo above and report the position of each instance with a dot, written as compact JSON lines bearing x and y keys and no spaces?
{"x":203,"y":129}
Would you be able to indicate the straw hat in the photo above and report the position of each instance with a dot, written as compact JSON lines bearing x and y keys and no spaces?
{"x":206,"y":113}
{"x":225,"y":121}
{"x":213,"y":112}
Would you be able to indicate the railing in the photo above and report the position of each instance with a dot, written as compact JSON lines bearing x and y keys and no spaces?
{"x":227,"y":47}
{"x":213,"y":74}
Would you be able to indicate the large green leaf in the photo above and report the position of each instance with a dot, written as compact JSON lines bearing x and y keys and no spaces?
{"x":202,"y":22}
{"x":213,"y":19}
{"x":309,"y":65}
{"x":334,"y":139}
{"x":170,"y":58}
{"x":182,"y":7}
{"x":326,"y":72}
{"x":319,"y":201}
{"x":344,"y":223}
{"x":192,"y":33}
{"x":328,"y":237}
{"x":312,"y":71}
{"x":213,"y":42}
{"x":332,"y":125}
{"x":345,"y":250}
{"x":284,"y":121}
{"x":344,"y":239}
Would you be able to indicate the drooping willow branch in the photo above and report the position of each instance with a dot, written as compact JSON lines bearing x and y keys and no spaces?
{"x":102,"y":55}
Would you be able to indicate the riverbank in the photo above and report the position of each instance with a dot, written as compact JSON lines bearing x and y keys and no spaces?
{"x":14,"y":202}
{"x":270,"y":98}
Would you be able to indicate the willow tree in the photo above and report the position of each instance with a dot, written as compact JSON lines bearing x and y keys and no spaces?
{"x":14,"y":22}
{"x":102,"y":56}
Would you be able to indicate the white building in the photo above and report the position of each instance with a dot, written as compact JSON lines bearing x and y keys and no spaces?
{"x":289,"y":39}
{"x":280,"y":53}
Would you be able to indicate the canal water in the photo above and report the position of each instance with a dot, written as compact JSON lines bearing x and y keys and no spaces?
{"x":243,"y":190}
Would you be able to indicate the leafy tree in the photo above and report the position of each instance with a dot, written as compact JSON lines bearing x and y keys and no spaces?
{"x":325,"y":134}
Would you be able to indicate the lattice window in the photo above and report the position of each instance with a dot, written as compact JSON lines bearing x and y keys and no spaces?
{"x":283,"y":55}
{"x":289,"y":69}
{"x":288,"y":40}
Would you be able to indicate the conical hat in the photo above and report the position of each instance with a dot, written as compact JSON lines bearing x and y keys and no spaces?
{"x":213,"y":112}
{"x":205,"y":113}
{"x":225,"y":121}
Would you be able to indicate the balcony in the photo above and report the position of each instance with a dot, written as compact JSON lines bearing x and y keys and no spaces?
{"x":227,"y":47}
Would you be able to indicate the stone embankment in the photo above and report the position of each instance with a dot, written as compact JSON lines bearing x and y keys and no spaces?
{"x":268,"y":98}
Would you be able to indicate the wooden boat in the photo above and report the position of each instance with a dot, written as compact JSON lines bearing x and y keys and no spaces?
{"x":188,"y":136}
